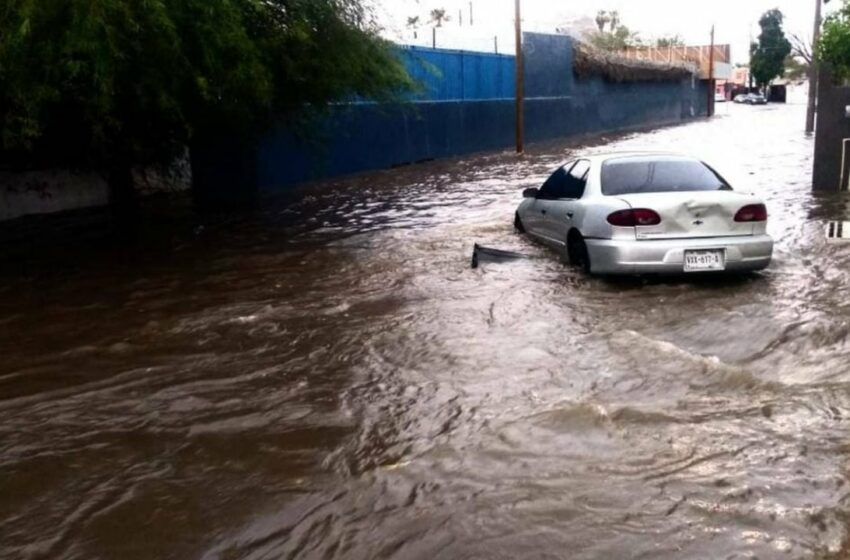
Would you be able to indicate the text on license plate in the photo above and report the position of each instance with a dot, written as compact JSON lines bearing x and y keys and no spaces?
{"x":696,"y":261}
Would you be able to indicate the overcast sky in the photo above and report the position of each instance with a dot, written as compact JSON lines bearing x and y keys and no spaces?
{"x":734,"y":19}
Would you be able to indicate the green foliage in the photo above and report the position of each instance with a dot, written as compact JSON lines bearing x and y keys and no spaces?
{"x":614,"y":20}
{"x":619,"y":39}
{"x":796,"y":68}
{"x":616,"y":37}
{"x":612,"y":35}
{"x":671,"y":41}
{"x":95,"y":83}
{"x":834,"y":44}
{"x":602,"y":19}
{"x":438,"y":16}
{"x":767,"y":57}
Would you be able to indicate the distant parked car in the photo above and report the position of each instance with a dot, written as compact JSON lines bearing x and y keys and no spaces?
{"x":634,"y":213}
{"x":756,"y":99}
{"x":741,"y":98}
{"x":719,"y":98}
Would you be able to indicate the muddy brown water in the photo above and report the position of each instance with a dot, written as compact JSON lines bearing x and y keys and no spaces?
{"x":328,"y":378}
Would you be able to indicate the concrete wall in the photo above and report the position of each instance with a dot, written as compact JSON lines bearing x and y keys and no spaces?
{"x":831,"y":130}
{"x":59,"y":190}
{"x":43,"y":192}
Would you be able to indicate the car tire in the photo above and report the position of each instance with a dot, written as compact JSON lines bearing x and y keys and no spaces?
{"x":577,"y":251}
{"x":518,"y":224}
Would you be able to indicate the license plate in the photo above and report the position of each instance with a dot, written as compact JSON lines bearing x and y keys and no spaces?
{"x":700,"y":261}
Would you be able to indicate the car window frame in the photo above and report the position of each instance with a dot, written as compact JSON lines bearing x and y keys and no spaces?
{"x":567,"y":167}
{"x":583,"y":179}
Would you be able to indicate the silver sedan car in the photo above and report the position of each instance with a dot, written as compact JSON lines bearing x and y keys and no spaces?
{"x":645,"y":213}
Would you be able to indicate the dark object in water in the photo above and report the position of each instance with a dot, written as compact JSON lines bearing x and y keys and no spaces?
{"x":495,"y":255}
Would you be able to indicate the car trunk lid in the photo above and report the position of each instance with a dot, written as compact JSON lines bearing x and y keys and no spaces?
{"x":692,"y":214}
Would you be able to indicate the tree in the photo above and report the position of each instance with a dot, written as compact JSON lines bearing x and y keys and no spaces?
{"x":614,"y":20}
{"x":616,"y":38}
{"x":439,"y":16}
{"x":602,"y":20}
{"x":413,"y":23}
{"x":114,"y":84}
{"x":620,"y":39}
{"x":801,"y":48}
{"x":795,"y":67}
{"x":767,"y":56}
{"x":834,"y":45}
{"x":671,"y":41}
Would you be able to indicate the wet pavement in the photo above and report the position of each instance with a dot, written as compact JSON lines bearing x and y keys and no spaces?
{"x":328,"y":378}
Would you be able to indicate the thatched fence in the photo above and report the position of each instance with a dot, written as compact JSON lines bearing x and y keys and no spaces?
{"x":589,"y":61}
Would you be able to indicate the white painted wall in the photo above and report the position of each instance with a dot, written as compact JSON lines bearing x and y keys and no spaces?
{"x":44,"y":192}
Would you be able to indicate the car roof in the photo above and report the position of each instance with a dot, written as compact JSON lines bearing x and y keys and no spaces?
{"x":605,"y":156}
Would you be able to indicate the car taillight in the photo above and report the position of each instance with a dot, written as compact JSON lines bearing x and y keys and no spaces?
{"x":752,"y":213}
{"x":635,"y":217}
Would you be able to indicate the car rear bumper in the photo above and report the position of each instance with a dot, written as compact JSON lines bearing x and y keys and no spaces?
{"x":667,"y":256}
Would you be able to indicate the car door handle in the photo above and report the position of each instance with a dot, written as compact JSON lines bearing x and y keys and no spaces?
{"x":543,"y":211}
{"x":569,"y":215}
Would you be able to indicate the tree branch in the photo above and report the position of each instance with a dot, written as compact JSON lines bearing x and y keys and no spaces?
{"x":801,"y":47}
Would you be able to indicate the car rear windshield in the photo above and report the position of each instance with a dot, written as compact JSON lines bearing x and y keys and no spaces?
{"x":656,"y":175}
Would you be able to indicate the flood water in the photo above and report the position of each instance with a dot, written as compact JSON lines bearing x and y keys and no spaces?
{"x":328,"y":378}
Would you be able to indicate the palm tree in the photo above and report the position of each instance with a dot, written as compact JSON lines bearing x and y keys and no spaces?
{"x":413,"y":23}
{"x":614,"y":19}
{"x":601,"y":19}
{"x":438,"y":16}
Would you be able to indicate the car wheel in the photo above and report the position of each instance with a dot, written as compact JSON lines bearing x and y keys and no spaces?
{"x":518,"y":223}
{"x":577,"y":251}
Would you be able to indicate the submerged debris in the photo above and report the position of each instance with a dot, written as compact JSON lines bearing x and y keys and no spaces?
{"x":494,"y":255}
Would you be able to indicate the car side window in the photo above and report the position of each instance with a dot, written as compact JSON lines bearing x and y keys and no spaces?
{"x":577,"y":180}
{"x":555,"y":186}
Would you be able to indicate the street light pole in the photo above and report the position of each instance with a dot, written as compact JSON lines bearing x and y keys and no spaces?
{"x":520,"y":140}
{"x":813,"y":72}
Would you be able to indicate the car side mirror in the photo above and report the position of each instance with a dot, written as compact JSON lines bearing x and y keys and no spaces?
{"x":530,"y":193}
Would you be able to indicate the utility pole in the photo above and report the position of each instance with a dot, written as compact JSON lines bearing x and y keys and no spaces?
{"x":470,"y":13}
{"x":813,"y":72}
{"x":520,"y":140}
{"x":750,"y":67}
{"x":710,"y":106}
{"x":433,"y":37}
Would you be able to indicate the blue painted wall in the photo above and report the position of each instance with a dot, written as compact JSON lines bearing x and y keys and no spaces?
{"x":466,"y":104}
{"x":449,"y":75}
{"x":560,"y":104}
{"x":364,"y":137}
